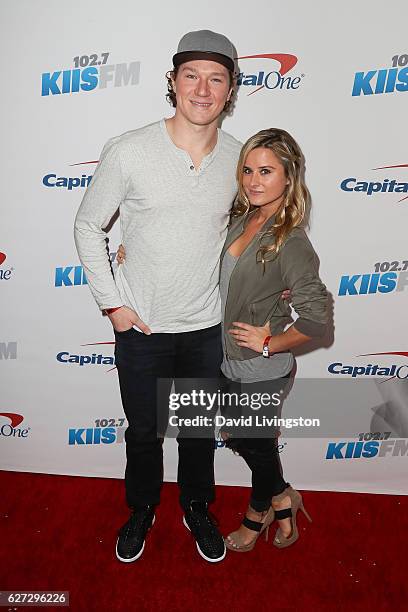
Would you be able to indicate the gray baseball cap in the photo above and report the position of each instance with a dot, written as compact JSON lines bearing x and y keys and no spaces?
{"x":206,"y":45}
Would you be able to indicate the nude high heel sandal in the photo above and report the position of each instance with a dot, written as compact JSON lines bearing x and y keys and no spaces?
{"x":280,"y":541}
{"x":258,"y":527}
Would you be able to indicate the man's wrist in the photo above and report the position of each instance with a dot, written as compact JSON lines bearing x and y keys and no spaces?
{"x":108,"y":311}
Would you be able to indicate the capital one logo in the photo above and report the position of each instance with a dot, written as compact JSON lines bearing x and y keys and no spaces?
{"x":5,"y":273}
{"x":371,"y":187}
{"x":66,"y":357}
{"x":11,"y":429}
{"x":391,"y":371}
{"x":52,"y":179}
{"x":262,"y":74}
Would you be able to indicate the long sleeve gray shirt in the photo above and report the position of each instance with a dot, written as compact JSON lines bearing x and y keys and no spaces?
{"x":173,"y":225}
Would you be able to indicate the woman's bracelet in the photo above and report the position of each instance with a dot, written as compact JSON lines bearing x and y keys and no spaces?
{"x":265,"y":350}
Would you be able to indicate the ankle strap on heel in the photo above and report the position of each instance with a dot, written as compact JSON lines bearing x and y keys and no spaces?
{"x":254,"y":525}
{"x":283,"y":514}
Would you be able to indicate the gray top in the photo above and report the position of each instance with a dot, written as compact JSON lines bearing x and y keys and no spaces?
{"x":256,"y":369}
{"x":173,"y":221}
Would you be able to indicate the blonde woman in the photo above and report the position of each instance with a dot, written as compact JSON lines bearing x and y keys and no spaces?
{"x":267,"y":252}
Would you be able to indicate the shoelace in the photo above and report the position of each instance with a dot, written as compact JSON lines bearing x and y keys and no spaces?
{"x":204,"y":519}
{"x":136,"y":522}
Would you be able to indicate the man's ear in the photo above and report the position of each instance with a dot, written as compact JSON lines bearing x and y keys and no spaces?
{"x":170,"y":75}
{"x":231,"y":91}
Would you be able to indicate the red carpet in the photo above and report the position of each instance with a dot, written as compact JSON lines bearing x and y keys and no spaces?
{"x":59,"y":532}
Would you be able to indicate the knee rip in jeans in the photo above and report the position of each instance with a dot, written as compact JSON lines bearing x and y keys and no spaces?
{"x":262,"y":455}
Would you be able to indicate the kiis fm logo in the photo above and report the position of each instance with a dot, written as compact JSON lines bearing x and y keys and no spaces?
{"x":8,"y":350}
{"x":70,"y":276}
{"x":74,"y":276}
{"x":105,"y":431}
{"x":386,"y":185}
{"x":381,"y":447}
{"x":66,"y":357}
{"x":68,"y":182}
{"x":271,"y":80}
{"x":388,"y":276}
{"x":90,"y":72}
{"x":11,"y":429}
{"x":5,"y":274}
{"x":355,"y":371}
{"x":384,"y":80}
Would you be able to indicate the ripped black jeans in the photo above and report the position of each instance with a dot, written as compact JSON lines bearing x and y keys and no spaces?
{"x":259,"y":453}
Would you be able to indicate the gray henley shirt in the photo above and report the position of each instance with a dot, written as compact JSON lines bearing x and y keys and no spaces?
{"x":173,"y":221}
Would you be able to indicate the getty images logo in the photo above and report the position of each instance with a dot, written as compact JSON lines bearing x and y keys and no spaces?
{"x":90,"y":72}
{"x":383,"y":80}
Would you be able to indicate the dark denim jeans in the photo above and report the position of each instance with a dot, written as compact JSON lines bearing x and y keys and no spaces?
{"x":259,"y":453}
{"x":140,"y":361}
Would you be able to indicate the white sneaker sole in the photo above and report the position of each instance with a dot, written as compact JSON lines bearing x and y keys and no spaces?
{"x":200,"y":552}
{"x":139,"y":554}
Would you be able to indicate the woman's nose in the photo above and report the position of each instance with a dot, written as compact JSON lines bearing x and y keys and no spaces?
{"x":255,"y":179}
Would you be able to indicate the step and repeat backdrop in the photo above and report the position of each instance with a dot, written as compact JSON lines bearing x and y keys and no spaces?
{"x":77,"y":74}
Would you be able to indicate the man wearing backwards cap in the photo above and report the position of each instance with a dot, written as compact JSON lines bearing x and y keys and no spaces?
{"x":174,"y":183}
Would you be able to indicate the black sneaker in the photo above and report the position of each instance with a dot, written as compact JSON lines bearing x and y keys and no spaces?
{"x":210,"y":543}
{"x":131,"y":540}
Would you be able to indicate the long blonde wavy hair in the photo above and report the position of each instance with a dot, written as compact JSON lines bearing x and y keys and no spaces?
{"x":296,"y":196}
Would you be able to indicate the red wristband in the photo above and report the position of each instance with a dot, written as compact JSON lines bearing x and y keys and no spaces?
{"x":108,"y":311}
{"x":265,"y":349}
